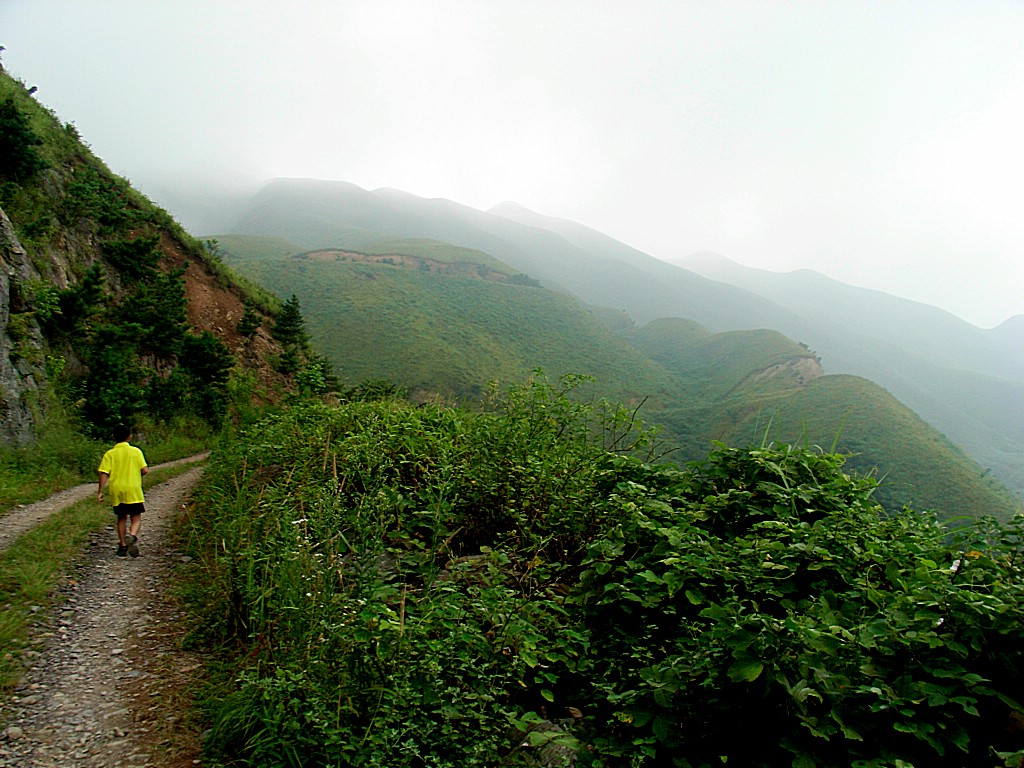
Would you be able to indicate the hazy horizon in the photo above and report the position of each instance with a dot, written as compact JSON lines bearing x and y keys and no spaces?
{"x":875,"y":143}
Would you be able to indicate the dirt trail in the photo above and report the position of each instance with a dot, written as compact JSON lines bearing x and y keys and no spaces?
{"x":106,"y":670}
{"x":20,"y":519}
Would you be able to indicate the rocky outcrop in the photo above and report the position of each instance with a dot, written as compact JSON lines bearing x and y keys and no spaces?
{"x":802,"y":370}
{"x":20,"y":343}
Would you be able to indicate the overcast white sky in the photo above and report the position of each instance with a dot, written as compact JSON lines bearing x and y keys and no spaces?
{"x":881,"y":143}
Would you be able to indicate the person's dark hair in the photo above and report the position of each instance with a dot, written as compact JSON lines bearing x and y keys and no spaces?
{"x":121,"y":433}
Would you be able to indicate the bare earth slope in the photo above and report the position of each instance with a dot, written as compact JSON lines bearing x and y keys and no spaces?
{"x":106,"y":669}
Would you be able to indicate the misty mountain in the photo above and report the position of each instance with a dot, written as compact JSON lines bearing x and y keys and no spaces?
{"x":415,"y":312}
{"x":967,"y":381}
{"x":315,"y":214}
{"x":924,"y":330}
{"x":970,"y":393}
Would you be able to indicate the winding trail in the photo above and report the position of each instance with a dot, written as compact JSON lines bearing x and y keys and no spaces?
{"x":107,"y":673}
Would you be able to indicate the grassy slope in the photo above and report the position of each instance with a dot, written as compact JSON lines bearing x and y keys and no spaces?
{"x":318,"y":214}
{"x":435,"y":250}
{"x":962,"y":379}
{"x":918,"y":462}
{"x":713,"y":365}
{"x":449,"y":334}
{"x":452,"y":335}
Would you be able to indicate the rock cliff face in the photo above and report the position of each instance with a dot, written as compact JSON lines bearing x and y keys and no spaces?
{"x":20,"y":342}
{"x":106,"y":292}
{"x":802,"y":370}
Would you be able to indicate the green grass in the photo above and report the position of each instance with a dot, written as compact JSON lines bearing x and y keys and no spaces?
{"x":452,"y":335}
{"x":254,"y":247}
{"x":713,"y":365}
{"x":876,"y":430}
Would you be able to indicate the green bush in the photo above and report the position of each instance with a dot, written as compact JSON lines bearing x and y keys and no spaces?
{"x":138,"y":257}
{"x":413,"y":586}
{"x":766,"y":594}
{"x":19,"y":159}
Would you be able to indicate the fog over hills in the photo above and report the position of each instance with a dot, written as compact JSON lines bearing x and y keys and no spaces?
{"x":967,"y":381}
{"x":964,"y":380}
{"x":920,"y":328}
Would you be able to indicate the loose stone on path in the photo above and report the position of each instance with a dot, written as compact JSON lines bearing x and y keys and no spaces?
{"x":101,"y":673}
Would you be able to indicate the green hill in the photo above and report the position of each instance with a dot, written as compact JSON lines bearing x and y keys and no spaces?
{"x":109,"y":311}
{"x":966,"y":381}
{"x":963,"y":380}
{"x":321,"y":214}
{"x":445,"y":334}
{"x":741,"y":400}
{"x":915,"y":461}
{"x":448,"y":334}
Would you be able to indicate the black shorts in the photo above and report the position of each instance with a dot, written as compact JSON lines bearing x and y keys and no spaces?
{"x":124,"y":510}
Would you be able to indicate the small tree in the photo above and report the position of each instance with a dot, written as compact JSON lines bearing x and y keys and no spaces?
{"x":290,"y":327}
{"x":250,"y":322}
{"x":113,"y":388}
{"x":208,"y":362}
{"x":159,"y":305}
{"x":19,"y":159}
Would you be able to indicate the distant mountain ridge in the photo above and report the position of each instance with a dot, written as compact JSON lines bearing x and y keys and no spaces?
{"x":967,"y":381}
{"x":927,"y":330}
{"x":973,"y":395}
{"x":642,"y":285}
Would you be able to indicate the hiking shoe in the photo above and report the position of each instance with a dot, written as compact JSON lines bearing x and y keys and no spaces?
{"x":122,"y":551}
{"x":133,"y":545}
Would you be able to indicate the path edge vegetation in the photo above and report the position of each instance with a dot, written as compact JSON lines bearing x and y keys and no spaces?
{"x":378,"y":583}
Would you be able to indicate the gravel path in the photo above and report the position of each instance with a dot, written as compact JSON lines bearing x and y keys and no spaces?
{"x":107,"y":678}
{"x":22,"y":518}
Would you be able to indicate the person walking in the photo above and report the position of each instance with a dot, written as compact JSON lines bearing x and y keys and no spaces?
{"x":120,"y":472}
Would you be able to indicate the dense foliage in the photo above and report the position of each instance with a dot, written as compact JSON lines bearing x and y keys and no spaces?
{"x":420,"y":586}
{"x":103,"y":319}
{"x":19,"y":157}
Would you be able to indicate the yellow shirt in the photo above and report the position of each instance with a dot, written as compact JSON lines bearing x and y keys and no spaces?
{"x":124,"y":464}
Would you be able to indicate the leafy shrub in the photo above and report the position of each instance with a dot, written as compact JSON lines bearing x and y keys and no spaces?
{"x":766,"y":594}
{"x":397,"y":594}
{"x":79,"y":304}
{"x":412,"y":586}
{"x":45,"y":300}
{"x":19,"y":159}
